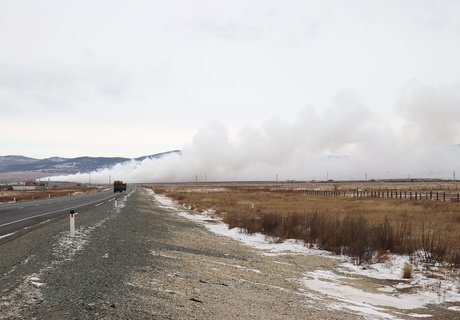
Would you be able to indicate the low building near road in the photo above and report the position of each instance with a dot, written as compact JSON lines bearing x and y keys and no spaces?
{"x":5,"y":187}
{"x":30,"y":185}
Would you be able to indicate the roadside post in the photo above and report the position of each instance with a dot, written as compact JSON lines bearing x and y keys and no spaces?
{"x":72,"y":223}
{"x":116,"y":203}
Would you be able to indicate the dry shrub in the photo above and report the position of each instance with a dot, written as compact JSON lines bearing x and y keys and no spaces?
{"x":407,"y":271}
{"x":269,"y":222}
{"x":384,"y":235}
{"x":432,"y":244}
{"x":357,"y":238}
{"x":454,"y":258}
{"x":403,"y":236}
{"x":383,"y":256}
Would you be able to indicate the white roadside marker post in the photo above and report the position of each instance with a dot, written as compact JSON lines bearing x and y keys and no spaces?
{"x":72,"y":223}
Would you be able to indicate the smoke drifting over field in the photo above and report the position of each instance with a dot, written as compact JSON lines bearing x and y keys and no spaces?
{"x":345,"y":141}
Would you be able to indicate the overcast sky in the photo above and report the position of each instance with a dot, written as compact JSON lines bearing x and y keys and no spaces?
{"x":352,"y":79}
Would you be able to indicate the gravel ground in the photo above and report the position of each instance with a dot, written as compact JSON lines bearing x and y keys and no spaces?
{"x":135,"y":260}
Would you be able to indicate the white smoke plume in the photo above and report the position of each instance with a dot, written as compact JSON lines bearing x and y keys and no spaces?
{"x":344,"y":141}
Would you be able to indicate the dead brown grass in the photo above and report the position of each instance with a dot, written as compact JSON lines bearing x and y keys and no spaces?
{"x":359,"y":227}
{"x":8,"y":196}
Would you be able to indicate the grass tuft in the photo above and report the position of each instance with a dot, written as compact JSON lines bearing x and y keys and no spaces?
{"x":407,"y":271}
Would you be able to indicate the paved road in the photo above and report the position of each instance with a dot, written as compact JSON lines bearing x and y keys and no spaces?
{"x":17,"y":218}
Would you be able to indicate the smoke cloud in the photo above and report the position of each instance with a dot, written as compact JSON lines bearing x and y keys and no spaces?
{"x":346,"y":140}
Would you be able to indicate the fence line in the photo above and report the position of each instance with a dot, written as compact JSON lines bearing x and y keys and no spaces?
{"x":377,"y":193}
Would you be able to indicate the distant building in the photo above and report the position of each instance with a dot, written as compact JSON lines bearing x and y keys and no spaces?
{"x":29,"y":185}
{"x":5,"y":187}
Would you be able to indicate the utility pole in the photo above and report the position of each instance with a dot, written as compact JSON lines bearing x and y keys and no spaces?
{"x":455,"y":182}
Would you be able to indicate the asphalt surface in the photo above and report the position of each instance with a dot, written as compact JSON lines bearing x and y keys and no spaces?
{"x":20,"y":217}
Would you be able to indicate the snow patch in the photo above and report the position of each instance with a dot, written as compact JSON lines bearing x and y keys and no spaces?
{"x":237,"y":266}
{"x":420,"y":315}
{"x":389,"y":270}
{"x":160,"y":254}
{"x":332,"y":286}
{"x":36,"y":281}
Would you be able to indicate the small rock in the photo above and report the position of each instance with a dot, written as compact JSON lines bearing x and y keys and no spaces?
{"x":195,"y":300}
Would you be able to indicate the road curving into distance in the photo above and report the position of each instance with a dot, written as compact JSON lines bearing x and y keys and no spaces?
{"x":17,"y":218}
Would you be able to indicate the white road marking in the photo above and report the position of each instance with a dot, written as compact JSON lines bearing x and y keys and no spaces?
{"x":51,"y":212}
{"x":7,"y":235}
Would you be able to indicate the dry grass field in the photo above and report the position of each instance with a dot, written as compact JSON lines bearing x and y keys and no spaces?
{"x":58,"y":191}
{"x":366,"y":228}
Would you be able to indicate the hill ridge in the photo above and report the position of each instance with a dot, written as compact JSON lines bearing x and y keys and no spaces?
{"x":60,"y":165}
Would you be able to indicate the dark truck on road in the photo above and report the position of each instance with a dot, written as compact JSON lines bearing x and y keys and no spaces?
{"x":119,"y":186}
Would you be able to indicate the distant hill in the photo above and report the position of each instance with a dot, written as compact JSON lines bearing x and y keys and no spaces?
{"x":58,"y":165}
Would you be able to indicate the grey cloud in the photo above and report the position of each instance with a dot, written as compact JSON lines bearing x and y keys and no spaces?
{"x":232,"y":31}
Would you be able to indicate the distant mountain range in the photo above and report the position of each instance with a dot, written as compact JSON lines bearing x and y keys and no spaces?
{"x":58,"y":165}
